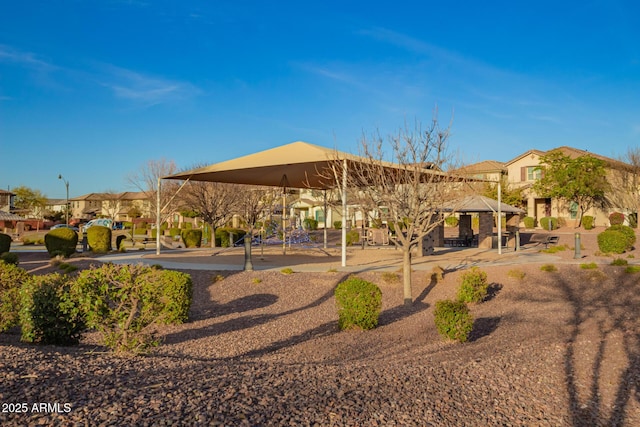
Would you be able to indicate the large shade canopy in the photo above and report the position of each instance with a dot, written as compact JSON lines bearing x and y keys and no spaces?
{"x":295,"y":165}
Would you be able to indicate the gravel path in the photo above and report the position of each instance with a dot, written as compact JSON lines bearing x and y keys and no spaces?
{"x":262,"y":348}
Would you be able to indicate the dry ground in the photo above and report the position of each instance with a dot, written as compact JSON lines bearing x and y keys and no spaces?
{"x":262,"y":348}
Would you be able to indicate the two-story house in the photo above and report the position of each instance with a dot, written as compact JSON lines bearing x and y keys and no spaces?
{"x":524,"y":170}
{"x":6,"y":200}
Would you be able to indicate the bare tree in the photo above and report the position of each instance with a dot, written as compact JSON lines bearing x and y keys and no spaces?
{"x":252,"y":201}
{"x":409,"y":184}
{"x":625,"y":180}
{"x":111,"y":203}
{"x":215,"y":202}
{"x":146,"y":180}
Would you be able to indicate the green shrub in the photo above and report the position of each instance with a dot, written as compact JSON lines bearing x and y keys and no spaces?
{"x":99,"y":239}
{"x":529,"y":222}
{"x":616,"y":218}
{"x":589,"y":266}
{"x":473,"y":286}
{"x":192,"y":238}
{"x":359,"y":303}
{"x":174,"y":231}
{"x":451,"y":221}
{"x":628,"y":232}
{"x":632,"y":269}
{"x":353,"y":237}
{"x":588,"y":222}
{"x":61,"y":241}
{"x":555,"y":249}
{"x":5,"y":243}
{"x":120,"y":241}
{"x":10,"y":258}
{"x":619,"y":262}
{"x":516,"y":274}
{"x":550,"y":268}
{"x":390,"y":277}
{"x":222,"y":236}
{"x":48,"y":314}
{"x":286,"y":270}
{"x":337,"y":225}
{"x":67,"y":268}
{"x":612,"y":242}
{"x":11,"y":279}
{"x":310,"y":224}
{"x":453,"y":320}
{"x":549,"y":220}
{"x":127,"y":303}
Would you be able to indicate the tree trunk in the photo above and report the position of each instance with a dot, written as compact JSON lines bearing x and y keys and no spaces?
{"x":406,"y":274}
{"x":213,"y":236}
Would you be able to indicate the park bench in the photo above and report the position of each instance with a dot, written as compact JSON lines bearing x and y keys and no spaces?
{"x":545,"y":239}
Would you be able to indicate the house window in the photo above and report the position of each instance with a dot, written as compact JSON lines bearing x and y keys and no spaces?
{"x":573,"y":210}
{"x":533,"y":173}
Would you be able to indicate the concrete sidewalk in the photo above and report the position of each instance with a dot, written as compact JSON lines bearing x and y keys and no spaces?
{"x":318,"y":260}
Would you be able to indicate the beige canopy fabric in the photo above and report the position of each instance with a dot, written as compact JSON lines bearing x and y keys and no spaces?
{"x":295,"y":165}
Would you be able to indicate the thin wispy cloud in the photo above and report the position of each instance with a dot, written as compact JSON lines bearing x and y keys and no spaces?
{"x":24,"y":59}
{"x":146,"y":90}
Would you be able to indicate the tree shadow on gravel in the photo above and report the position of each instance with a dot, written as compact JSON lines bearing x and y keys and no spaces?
{"x":492,"y":291}
{"x":603,"y":324}
{"x":239,"y":305}
{"x":243,"y":322}
{"x":483,"y":327}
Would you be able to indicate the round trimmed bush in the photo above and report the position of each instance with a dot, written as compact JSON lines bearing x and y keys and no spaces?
{"x":192,"y":237}
{"x":119,"y":240}
{"x":474,"y":286}
{"x":529,"y":222}
{"x":545,"y":221}
{"x":61,"y":241}
{"x":616,"y":218}
{"x":453,"y":320}
{"x":359,"y":303}
{"x":612,"y":242}
{"x":222,"y":236}
{"x":5,"y":243}
{"x":588,"y":222}
{"x":629,"y":233}
{"x":99,"y":239}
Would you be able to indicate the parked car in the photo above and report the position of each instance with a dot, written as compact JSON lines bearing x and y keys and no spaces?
{"x":104,"y":222}
{"x":65,"y":226}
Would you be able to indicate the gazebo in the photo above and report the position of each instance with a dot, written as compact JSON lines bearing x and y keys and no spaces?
{"x":485,"y":207}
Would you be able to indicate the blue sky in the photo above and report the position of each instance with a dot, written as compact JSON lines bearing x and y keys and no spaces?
{"x":94,"y":89}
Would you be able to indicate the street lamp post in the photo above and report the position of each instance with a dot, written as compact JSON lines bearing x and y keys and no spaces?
{"x":66,"y":210}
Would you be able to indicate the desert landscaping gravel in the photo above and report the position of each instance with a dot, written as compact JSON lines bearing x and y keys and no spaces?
{"x":262,"y":348}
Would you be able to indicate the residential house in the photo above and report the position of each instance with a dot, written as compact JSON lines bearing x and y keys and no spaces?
{"x":524,"y":170}
{"x":6,"y":200}
{"x":118,"y":206}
